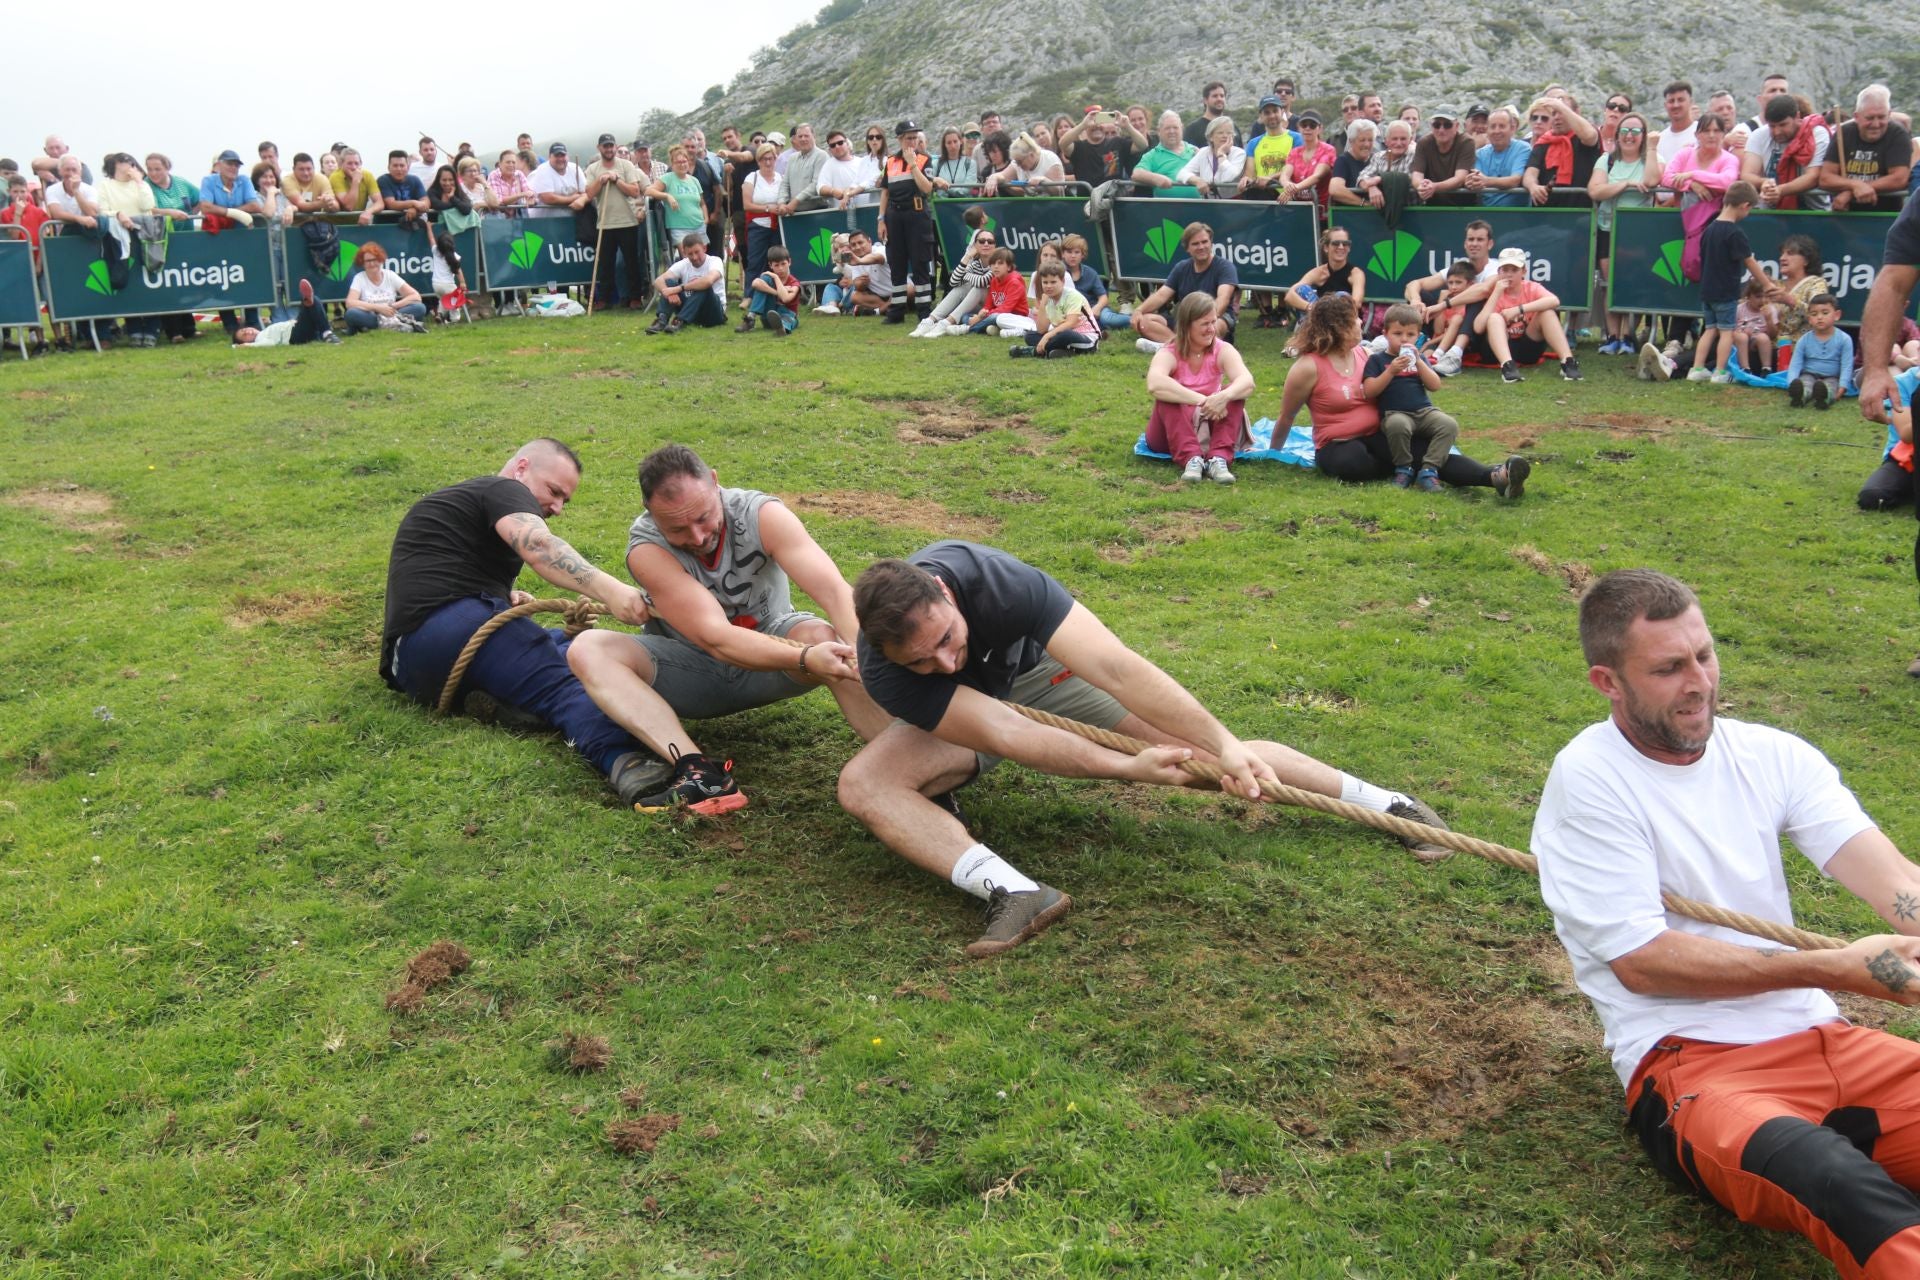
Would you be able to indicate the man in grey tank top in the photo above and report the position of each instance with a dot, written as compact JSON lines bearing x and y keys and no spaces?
{"x":717,"y":565}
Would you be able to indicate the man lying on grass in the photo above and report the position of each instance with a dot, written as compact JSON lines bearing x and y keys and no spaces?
{"x":1744,"y":1083}
{"x":455,"y":557}
{"x":944,"y":637}
{"x":717,"y":567}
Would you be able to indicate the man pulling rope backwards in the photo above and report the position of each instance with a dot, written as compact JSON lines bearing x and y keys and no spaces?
{"x":1743,"y":1081}
{"x":943,"y":637}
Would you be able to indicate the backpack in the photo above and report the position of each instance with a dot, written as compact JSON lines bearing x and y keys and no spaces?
{"x":323,"y":244}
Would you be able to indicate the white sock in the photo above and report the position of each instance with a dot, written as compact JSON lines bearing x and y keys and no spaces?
{"x":1357,"y":791}
{"x":980,"y":867}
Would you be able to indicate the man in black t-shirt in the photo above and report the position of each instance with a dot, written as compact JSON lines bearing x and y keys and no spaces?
{"x":1868,"y":164}
{"x":948,"y":635}
{"x":453,"y":565}
{"x":1200,"y":271}
{"x":1102,"y":147}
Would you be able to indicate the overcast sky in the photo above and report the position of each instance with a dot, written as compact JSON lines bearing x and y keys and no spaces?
{"x":305,"y":77}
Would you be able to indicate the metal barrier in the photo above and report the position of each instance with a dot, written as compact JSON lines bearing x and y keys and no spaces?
{"x":1270,"y":245}
{"x":1559,"y":245}
{"x":19,"y":284}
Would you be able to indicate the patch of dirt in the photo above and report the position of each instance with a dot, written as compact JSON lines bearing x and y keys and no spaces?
{"x":886,"y":509}
{"x":950,"y":421}
{"x":582,"y":1055}
{"x":601,"y":373}
{"x":643,"y":1135}
{"x":1578,"y":575}
{"x":1519,"y":436}
{"x":1241,"y":1185}
{"x":38,"y":395}
{"x":547,"y":351}
{"x":68,"y":505}
{"x":1316,"y":700}
{"x":1615,"y":455}
{"x":633,"y":1096}
{"x":436,"y":966}
{"x":1635,"y":424}
{"x":288,"y":607}
{"x":1016,"y":496}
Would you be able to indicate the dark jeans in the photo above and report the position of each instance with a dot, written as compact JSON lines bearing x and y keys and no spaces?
{"x":758,"y":240}
{"x":232,"y":322}
{"x":1062,"y":341}
{"x":309,"y":324}
{"x":522,"y":663}
{"x":1891,"y":485}
{"x":1371,"y":458}
{"x":624,"y":241}
{"x":697,"y":306}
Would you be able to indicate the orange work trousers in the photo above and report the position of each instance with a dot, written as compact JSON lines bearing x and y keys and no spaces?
{"x":1817,"y":1132}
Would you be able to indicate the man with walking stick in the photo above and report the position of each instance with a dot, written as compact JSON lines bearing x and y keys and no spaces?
{"x":613,"y":184}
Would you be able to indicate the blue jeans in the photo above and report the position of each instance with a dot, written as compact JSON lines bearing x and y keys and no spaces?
{"x":1111,"y":319}
{"x":697,"y":306}
{"x":522,"y":663}
{"x":1068,"y":338}
{"x":359,"y":321}
{"x":763,"y":304}
{"x":835,"y":294}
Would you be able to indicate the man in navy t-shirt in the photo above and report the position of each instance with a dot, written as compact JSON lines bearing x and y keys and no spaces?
{"x":1201,"y":271}
{"x":950,"y":635}
{"x":400,"y":191}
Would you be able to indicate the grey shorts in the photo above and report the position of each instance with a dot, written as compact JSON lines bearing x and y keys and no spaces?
{"x":1051,"y":687}
{"x":698,"y":686}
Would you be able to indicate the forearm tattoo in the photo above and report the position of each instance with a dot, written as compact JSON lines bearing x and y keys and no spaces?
{"x":1905,"y":905}
{"x":537,"y":545}
{"x":1890,"y":971}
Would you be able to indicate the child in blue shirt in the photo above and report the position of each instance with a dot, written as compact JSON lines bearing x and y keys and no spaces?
{"x":1086,"y":282}
{"x":1822,"y":365}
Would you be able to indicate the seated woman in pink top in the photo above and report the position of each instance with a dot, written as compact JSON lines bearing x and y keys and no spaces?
{"x":1199,"y":384}
{"x":1329,"y":381}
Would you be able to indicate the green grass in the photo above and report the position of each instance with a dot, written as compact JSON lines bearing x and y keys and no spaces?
{"x":1266,"y":1044}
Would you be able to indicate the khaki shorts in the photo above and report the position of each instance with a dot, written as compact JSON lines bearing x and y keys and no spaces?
{"x":1052,"y":688}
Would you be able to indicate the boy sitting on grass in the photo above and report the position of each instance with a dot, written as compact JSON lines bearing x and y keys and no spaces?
{"x":1822,"y":366}
{"x":1725,"y":255}
{"x":1063,"y":319}
{"x":775,"y":295}
{"x":1450,"y":320}
{"x":1006,"y":296}
{"x":1086,"y":281}
{"x":1398,"y":380}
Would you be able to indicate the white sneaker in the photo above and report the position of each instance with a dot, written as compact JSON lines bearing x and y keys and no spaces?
{"x":1447,"y":363}
{"x":1699,"y":373}
{"x":1666,"y":367}
{"x":1196,"y":468}
{"x":826,"y":309}
{"x":1218,"y":472}
{"x":1720,"y":379}
{"x":1672,"y":350}
{"x":919,"y":330}
{"x":955,"y":328}
{"x":993,"y":331}
{"x":1147,"y":346}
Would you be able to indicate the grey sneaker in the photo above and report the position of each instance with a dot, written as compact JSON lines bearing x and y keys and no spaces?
{"x":1012,"y":918}
{"x":637,"y":775}
{"x":1419,"y":811}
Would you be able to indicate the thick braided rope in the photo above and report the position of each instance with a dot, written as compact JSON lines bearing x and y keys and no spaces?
{"x":1706,"y":911}
{"x":579,"y":614}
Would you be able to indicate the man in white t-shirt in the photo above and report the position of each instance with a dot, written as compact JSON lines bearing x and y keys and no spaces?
{"x":840,"y":175}
{"x":1779,"y":138}
{"x":691,"y":291}
{"x":1678,"y":135}
{"x":428,"y":164}
{"x":1744,"y":1083}
{"x":559,"y":187}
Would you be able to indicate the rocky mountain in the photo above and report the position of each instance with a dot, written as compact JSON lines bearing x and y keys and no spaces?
{"x":944,"y":61}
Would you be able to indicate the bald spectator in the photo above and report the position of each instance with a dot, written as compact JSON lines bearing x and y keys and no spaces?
{"x":1442,"y":162}
{"x":1500,"y":164}
{"x":1869,"y":166}
{"x":47,"y":167}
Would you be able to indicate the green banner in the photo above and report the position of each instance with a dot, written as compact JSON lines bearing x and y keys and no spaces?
{"x":809,"y":238}
{"x":409,"y":256}
{"x":1648,"y":244}
{"x":532,"y":253}
{"x":1021,"y":224}
{"x":19,"y":303}
{"x":1559,"y":245}
{"x":1270,"y":245}
{"x":203,"y":272}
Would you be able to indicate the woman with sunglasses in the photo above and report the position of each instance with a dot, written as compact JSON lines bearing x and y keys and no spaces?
{"x":867,"y":165}
{"x":1618,"y":104}
{"x":1338,"y":274}
{"x":967,"y":285}
{"x":1566,"y":147}
{"x":1626,"y":178}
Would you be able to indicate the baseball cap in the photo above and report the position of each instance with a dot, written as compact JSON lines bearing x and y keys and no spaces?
{"x":1444,"y":113}
{"x":605,"y":138}
{"x":1512,"y":257}
{"x":777,"y":138}
{"x":905,"y":127}
{"x":557,"y":149}
{"x":1307,"y":117}
{"x":1477,"y":112}
{"x":970,"y":130}
{"x":229,"y":157}
{"x":1272,"y":100}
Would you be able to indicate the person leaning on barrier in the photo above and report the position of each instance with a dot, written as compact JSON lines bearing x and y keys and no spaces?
{"x":1500,"y":163}
{"x":1784,"y":156}
{"x":953,"y":167}
{"x":307,"y":191}
{"x":355,"y":188}
{"x":948,"y":633}
{"x":1343,"y":187}
{"x":454,"y":560}
{"x":1744,"y":1083}
{"x":558,"y":186}
{"x":1029,"y":166}
{"x":1217,"y":168}
{"x":401,"y":193}
{"x":1441,"y":162}
{"x":1161,"y":164}
{"x":839,"y":176}
{"x":1394,"y":157}
{"x":612,"y":184}
{"x":1263,"y":176}
{"x":472,"y":177}
{"x":800,"y":180}
{"x":1563,"y":156}
{"x":511,"y":194}
{"x":380,"y":299}
{"x":1200,"y":271}
{"x":1868,"y":166}
{"x":693,"y":290}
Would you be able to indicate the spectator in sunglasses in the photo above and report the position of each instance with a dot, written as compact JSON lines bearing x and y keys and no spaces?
{"x":1564,"y":152}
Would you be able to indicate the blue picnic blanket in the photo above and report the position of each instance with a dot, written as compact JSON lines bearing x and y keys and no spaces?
{"x":1295,"y":451}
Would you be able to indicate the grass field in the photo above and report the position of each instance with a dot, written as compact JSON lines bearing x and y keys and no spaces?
{"x":1266,"y":1044}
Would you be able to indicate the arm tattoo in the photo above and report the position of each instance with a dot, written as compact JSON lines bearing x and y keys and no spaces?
{"x":1890,"y":971}
{"x":535,"y":544}
{"x":564,"y":559}
{"x":1905,"y":905}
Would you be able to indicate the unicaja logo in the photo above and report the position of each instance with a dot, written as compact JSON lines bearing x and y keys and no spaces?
{"x":820,"y":248}
{"x":98,"y":280}
{"x":1163,"y":242}
{"x":1668,"y":267}
{"x":524,"y":251}
{"x":343,"y":261}
{"x":1392,"y":256}
{"x":220,"y":275}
